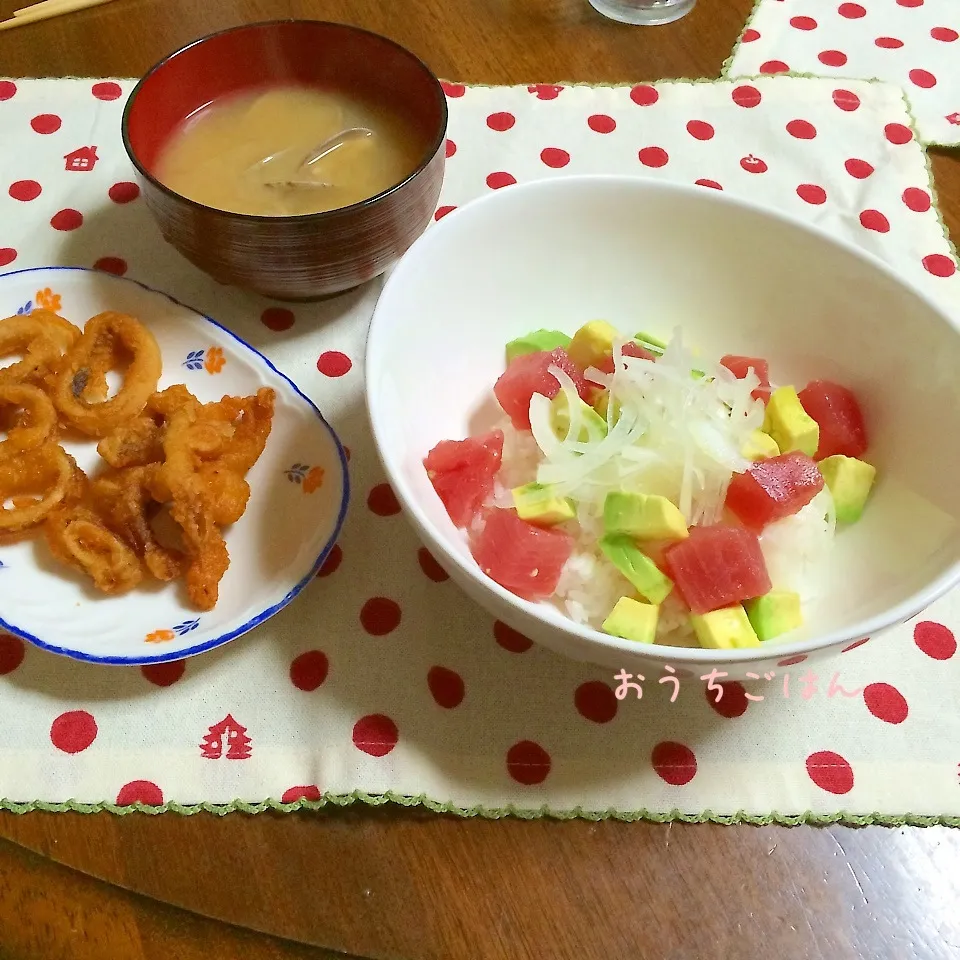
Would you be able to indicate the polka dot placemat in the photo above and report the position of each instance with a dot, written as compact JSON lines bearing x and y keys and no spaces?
{"x":913,"y":43}
{"x":382,"y":681}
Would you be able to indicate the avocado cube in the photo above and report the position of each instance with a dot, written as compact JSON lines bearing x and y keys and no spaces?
{"x":774,"y":613}
{"x":789,"y":424}
{"x":725,"y":629}
{"x":539,"y":340}
{"x":602,"y":404}
{"x":643,"y":516}
{"x":592,"y":424}
{"x":760,"y":446}
{"x":850,"y":482}
{"x":637,"y":567}
{"x":650,"y":342}
{"x":592,"y":343}
{"x":632,"y":620}
{"x":537,"y":503}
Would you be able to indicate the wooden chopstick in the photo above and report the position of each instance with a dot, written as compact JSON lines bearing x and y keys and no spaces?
{"x":47,"y":9}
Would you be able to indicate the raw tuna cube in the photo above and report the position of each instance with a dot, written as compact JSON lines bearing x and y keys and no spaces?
{"x":527,"y":375}
{"x":741,"y":366}
{"x":717,"y":567}
{"x":773,"y":489}
{"x":838,"y":414}
{"x":523,"y":558}
{"x":462,"y":473}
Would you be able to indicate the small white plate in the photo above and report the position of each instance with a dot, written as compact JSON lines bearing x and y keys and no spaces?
{"x":300,"y":492}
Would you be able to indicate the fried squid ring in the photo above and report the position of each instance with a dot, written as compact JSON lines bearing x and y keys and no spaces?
{"x":36,"y":426}
{"x":47,"y":473}
{"x":84,"y":363}
{"x":42,"y":338}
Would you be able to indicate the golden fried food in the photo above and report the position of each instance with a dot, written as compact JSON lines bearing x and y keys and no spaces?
{"x":42,"y":338}
{"x":84,"y":368}
{"x":46,"y":474}
{"x":29,"y":417}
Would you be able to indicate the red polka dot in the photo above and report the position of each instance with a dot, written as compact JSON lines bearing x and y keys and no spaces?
{"x":164,"y":674}
{"x":750,"y":35}
{"x":832,"y":58}
{"x":510,"y":639}
{"x":790,"y":661}
{"x":811,"y":193}
{"x":500,"y":179}
{"x":654,"y":157}
{"x":25,"y":190}
{"x":708,"y":183}
{"x":874,"y":220}
{"x":380,"y":616}
{"x":450,"y":149}
{"x":383,"y":501}
{"x":66,"y":219}
{"x":803,"y":23}
{"x":375,"y":734}
{"x":700,"y":130}
{"x":545,"y":91}
{"x":7,"y":255}
{"x":852,"y":11}
{"x":855,"y":644}
{"x":115,"y":265}
{"x":674,"y":763}
{"x":106,"y":91}
{"x":309,"y":670}
{"x":443,"y":211}
{"x":501,"y":121}
{"x":308,"y":792}
{"x":73,"y":731}
{"x":910,"y":3}
{"x":8,"y":89}
{"x":916,"y":199}
{"x":753,"y":164}
{"x":140,"y":791}
{"x":643,"y":95}
{"x":939,"y":265}
{"x":935,"y":640}
{"x":888,"y":43}
{"x":858,"y":168}
{"x":446,"y":687}
{"x":595,"y":701}
{"x":885,"y":702}
{"x":430,"y":567}
{"x":830,"y":772}
{"x":46,"y":123}
{"x":11,"y":653}
{"x":922,"y":78}
{"x":734,"y":701}
{"x":555,"y":157}
{"x":333,"y":363}
{"x":334,"y":559}
{"x":943,"y":34}
{"x":846,"y":100}
{"x":801,"y":129}
{"x":528,"y":763}
{"x":897,"y":133}
{"x":601,"y":123}
{"x":774,"y":66}
{"x":277,"y":318}
{"x":746,"y":96}
{"x":453,"y":90}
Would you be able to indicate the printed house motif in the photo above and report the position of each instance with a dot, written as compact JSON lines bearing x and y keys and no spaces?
{"x":227,"y":733}
{"x":82,"y":159}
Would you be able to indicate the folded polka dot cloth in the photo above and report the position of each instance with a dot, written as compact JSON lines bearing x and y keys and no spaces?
{"x":382,"y":681}
{"x":913,"y":43}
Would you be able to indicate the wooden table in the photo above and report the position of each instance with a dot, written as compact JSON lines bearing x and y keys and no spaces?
{"x":394,"y":883}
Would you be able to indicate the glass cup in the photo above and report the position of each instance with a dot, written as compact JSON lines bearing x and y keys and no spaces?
{"x":647,"y":13}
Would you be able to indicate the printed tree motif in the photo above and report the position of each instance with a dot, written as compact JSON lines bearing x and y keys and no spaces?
{"x":227,"y":733}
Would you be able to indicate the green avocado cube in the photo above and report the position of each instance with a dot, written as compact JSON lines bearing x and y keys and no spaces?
{"x":643,"y":516}
{"x":850,"y":482}
{"x":637,"y":567}
{"x":536,"y":342}
{"x":650,"y":342}
{"x":602,"y":404}
{"x":789,"y":424}
{"x":633,"y":620}
{"x":774,"y":613}
{"x":593,"y":426}
{"x":538,"y":504}
{"x":725,"y":629}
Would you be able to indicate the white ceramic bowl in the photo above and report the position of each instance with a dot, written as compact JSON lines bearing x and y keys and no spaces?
{"x":738,"y":279}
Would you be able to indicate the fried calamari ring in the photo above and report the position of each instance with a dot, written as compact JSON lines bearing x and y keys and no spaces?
{"x":47,"y":473}
{"x":36,"y":426}
{"x":42,"y":338}
{"x":85,"y":361}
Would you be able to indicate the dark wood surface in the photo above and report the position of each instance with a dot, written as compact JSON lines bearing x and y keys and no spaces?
{"x":407,"y":884}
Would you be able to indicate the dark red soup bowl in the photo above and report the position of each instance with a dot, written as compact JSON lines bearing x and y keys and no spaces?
{"x":296,"y":257}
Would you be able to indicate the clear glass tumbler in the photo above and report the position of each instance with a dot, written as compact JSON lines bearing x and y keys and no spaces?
{"x":644,"y":12}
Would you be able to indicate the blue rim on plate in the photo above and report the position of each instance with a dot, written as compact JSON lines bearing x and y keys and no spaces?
{"x":264,"y":615}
